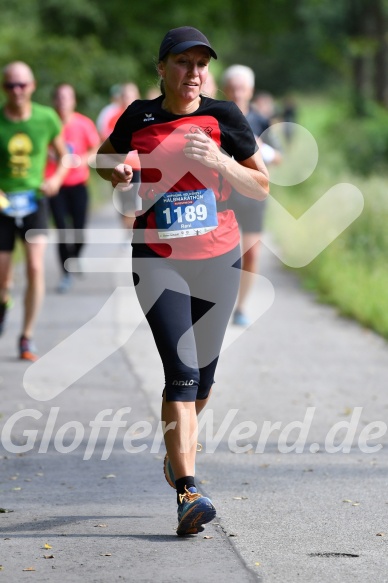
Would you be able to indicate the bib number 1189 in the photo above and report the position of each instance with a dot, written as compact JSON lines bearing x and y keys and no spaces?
{"x":191,"y":213}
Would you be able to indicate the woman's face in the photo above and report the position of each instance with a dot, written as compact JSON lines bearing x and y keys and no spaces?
{"x":64,"y":100}
{"x":185,"y":73}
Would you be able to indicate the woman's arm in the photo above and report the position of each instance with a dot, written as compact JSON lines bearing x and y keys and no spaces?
{"x":249,"y":177}
{"x":110,"y":166}
{"x":51,"y":186}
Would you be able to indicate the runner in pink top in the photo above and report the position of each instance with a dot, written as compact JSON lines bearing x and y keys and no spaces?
{"x":69,"y":207}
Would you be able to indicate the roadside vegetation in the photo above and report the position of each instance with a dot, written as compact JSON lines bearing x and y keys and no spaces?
{"x":294,"y":48}
{"x":351,"y":273}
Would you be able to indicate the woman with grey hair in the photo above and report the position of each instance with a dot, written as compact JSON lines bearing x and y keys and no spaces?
{"x":238,"y":83}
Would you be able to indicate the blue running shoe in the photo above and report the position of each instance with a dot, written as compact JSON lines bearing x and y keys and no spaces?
{"x":240,"y":319}
{"x":193,"y":511}
{"x":27,"y":349}
{"x":65,"y":284}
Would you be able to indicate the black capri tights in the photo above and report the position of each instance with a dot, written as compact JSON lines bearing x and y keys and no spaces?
{"x":188,"y":306}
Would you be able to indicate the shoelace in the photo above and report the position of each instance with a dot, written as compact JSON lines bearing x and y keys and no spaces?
{"x":189,"y":496}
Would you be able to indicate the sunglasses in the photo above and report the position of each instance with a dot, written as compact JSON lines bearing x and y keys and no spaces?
{"x":11,"y":86}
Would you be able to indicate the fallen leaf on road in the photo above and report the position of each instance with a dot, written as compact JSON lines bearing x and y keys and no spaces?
{"x":48,"y":556}
{"x":380,"y":534}
{"x":109,"y":476}
{"x":100,"y":525}
{"x":347,"y":500}
{"x":47,"y":546}
{"x":105,"y":554}
{"x":240,"y":497}
{"x":204,"y":481}
{"x":257,"y":564}
{"x":356,"y":503}
{"x":207,"y":536}
{"x":39,"y":474}
{"x":16,"y":489}
{"x":29,"y":569}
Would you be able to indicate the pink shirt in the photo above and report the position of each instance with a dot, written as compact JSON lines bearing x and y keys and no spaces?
{"x":103,"y":121}
{"x":80,"y":135}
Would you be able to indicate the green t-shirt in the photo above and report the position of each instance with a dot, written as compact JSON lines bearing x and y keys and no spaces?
{"x":23,"y":148}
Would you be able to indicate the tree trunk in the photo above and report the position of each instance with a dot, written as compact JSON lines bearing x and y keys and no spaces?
{"x":358,"y":32}
{"x":380,"y":80}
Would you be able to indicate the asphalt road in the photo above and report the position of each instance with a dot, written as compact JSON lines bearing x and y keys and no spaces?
{"x":87,"y":505}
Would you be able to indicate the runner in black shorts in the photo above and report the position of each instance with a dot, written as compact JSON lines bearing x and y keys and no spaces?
{"x":238,"y":83}
{"x":69,"y":207}
{"x":249,"y":213}
{"x":11,"y":228}
{"x":193,"y":150}
{"x":26,"y":131}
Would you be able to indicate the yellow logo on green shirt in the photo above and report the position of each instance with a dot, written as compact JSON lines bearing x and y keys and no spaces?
{"x":20,"y":147}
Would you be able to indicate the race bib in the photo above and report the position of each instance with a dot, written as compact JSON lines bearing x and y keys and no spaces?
{"x":186,"y":214}
{"x":19,"y":204}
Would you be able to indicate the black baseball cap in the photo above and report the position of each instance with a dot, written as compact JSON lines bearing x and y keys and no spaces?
{"x":180,"y":39}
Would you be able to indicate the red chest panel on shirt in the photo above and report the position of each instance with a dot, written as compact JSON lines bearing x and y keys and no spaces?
{"x":164,"y":165}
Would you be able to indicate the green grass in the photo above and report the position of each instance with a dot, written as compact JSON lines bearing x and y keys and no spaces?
{"x":356,"y":287}
{"x":351,"y":273}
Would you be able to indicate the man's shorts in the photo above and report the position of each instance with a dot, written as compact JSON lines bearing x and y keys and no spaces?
{"x":11,"y":227}
{"x":248,"y":211}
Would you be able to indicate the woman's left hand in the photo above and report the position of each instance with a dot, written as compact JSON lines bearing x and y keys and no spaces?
{"x":202,"y":148}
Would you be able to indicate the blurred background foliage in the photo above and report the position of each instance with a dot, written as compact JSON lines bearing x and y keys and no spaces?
{"x":304,"y":45}
{"x":331,"y":57}
{"x":299,"y":45}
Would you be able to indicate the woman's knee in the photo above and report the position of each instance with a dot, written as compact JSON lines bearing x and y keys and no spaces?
{"x":35,"y":266}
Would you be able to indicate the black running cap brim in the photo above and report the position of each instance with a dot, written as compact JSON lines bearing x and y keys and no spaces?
{"x":178,"y":40}
{"x":181,"y":47}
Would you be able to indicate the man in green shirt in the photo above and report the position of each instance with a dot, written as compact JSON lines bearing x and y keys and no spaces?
{"x":26,"y":130}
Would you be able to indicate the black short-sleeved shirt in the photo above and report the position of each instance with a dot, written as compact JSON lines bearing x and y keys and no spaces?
{"x":258,"y":122}
{"x":158,"y":137}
